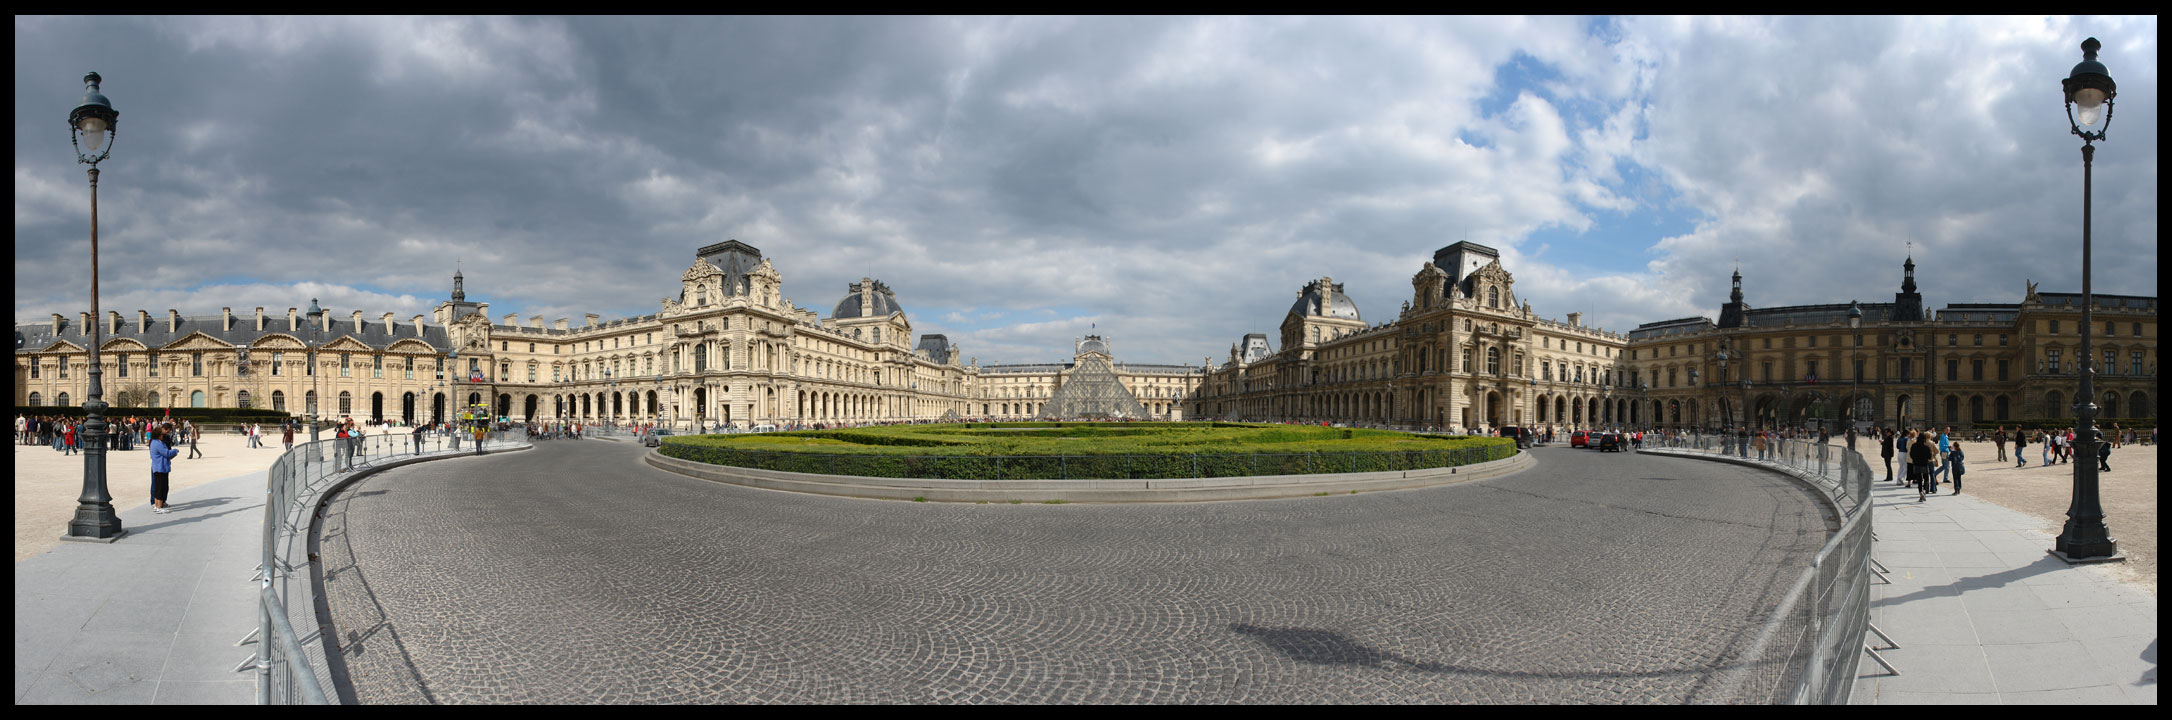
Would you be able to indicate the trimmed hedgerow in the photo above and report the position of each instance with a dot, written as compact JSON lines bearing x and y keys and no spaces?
{"x":1084,"y":450}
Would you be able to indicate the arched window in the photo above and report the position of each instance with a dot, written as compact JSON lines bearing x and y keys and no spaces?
{"x":346,"y":403}
{"x":36,"y":400}
{"x":2054,"y":405}
{"x":1493,"y":297}
{"x":279,"y":400}
{"x":2138,"y":405}
{"x":1493,"y":361}
{"x":196,"y":398}
{"x":63,"y":401}
{"x":154,"y":399}
{"x":241,"y":400}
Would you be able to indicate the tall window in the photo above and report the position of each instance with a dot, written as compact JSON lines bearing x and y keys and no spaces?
{"x":241,"y":400}
{"x":531,"y":372}
{"x":2053,"y":356}
{"x":441,"y":368}
{"x":377,"y":366}
{"x":34,"y":371}
{"x":410,"y":367}
{"x":2134,"y":363}
{"x":1813,"y":369}
{"x":1975,"y":369}
{"x":279,"y":400}
{"x":63,"y":401}
{"x":1768,"y":372}
{"x":277,"y":360}
{"x":346,"y":403}
{"x":2054,"y":327}
{"x":2004,"y":364}
{"x":2111,"y":361}
{"x":1953,"y":369}
{"x":196,"y":365}
{"x":151,"y":368}
{"x":1979,"y":340}
{"x":2137,"y":329}
{"x":345,"y":363}
{"x":1858,"y":369}
{"x":1907,"y":369}
{"x":1493,"y":361}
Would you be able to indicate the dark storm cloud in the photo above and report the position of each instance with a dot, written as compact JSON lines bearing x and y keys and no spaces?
{"x":1172,"y":181}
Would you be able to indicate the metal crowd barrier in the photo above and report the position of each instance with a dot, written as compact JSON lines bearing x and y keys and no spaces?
{"x":291,"y":669}
{"x":1094,"y":467}
{"x":1817,"y":637}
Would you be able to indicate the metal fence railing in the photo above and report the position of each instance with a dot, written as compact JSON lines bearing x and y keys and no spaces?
{"x":1811,"y":647}
{"x":291,"y":668}
{"x":1089,"y":467}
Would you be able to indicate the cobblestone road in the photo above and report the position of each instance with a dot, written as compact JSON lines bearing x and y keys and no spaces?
{"x":574,"y":574}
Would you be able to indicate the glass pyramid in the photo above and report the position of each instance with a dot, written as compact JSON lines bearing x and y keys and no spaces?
{"x":1092,"y":392}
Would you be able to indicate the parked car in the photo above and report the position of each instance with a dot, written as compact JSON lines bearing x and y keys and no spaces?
{"x":656,"y":436}
{"x":1579,"y":439}
{"x":1522,"y":435}
{"x":1610,"y":442}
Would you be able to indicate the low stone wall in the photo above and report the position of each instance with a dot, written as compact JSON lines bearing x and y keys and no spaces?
{"x":1256,"y":487}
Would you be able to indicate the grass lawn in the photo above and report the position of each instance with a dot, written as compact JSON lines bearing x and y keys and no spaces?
{"x":1088,"y":450}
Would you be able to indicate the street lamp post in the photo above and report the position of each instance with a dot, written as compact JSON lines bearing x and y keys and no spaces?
{"x":1855,"y":400}
{"x":2085,"y":538}
{"x":92,"y":123}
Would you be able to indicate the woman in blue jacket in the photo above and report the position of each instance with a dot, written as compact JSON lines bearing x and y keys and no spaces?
{"x":161,"y":466}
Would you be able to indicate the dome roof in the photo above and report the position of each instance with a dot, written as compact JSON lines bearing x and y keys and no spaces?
{"x":1323,"y":297}
{"x":1094,"y":343}
{"x":884,"y":302}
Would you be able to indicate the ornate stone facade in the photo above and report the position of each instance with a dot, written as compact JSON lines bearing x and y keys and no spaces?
{"x":1462,"y":354}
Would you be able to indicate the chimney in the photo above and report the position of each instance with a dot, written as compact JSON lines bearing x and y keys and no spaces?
{"x":292,"y":324}
{"x":56,"y":324}
{"x":512,"y":319}
{"x":226,"y":321}
{"x":260,"y":318}
{"x":483,"y":309}
{"x":592,"y":320}
{"x":1574,"y":318}
{"x":559,"y":324}
{"x":535,"y":321}
{"x":143,"y":321}
{"x":391,"y":328}
{"x":324,"y":323}
{"x":357,"y":322}
{"x":173,"y":320}
{"x":113,"y":322}
{"x":84,"y":328}
{"x":418,"y":326}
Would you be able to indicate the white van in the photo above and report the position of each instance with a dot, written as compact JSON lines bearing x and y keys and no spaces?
{"x":763,"y":428}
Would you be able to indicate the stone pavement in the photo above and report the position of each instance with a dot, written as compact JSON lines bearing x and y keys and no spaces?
{"x":47,"y":483}
{"x":1984,"y":615}
{"x":154,"y":617}
{"x":573,"y":573}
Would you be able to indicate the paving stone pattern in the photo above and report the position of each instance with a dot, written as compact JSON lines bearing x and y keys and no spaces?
{"x":575,"y":574}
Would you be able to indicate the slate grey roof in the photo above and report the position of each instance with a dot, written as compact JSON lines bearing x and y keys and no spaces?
{"x":1022,"y":369}
{"x":937,"y":347}
{"x":885,"y":303}
{"x":1817,"y":314}
{"x":1323,"y":300}
{"x":35,"y":337}
{"x":2135,"y":302}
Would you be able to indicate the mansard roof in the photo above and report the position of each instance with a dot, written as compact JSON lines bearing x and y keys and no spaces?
{"x":34,"y":337}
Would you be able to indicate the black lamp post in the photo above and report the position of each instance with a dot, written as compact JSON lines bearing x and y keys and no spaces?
{"x":2085,"y":538}
{"x":92,"y":124}
{"x":1855,"y":400}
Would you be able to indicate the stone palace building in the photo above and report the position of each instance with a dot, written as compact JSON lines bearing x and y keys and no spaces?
{"x":1464,"y":354}
{"x":729,"y":349}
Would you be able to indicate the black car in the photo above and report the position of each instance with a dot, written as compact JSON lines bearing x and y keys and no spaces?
{"x":1522,"y":435}
{"x":1611,"y":441}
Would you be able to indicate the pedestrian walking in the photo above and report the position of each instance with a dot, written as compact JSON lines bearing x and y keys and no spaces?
{"x":194,"y":433}
{"x":1999,"y":439}
{"x":2104,"y":457}
{"x":1886,"y":446}
{"x":417,"y":435}
{"x":162,"y":455}
{"x":2021,"y":443}
{"x":1954,"y":460}
{"x":1945,"y":448}
{"x":1919,"y":465}
{"x":286,"y":435}
{"x":68,"y":440}
{"x":2045,"y":439}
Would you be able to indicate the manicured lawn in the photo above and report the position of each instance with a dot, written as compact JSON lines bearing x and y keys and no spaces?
{"x":1087,"y":450}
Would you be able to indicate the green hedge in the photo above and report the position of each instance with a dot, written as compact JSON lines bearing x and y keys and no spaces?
{"x":1118,"y":450}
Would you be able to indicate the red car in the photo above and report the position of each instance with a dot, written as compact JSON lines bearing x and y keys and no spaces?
{"x":1579,"y":439}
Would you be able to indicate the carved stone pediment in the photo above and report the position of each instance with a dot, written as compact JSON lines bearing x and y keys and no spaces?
{"x":279,"y":341}
{"x":122,"y":345}
{"x":63,"y":346}
{"x":346,"y":343}
{"x":412,"y":345}
{"x":198,"y":341}
{"x":701,"y":270}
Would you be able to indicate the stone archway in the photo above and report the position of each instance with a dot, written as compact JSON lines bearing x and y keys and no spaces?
{"x":1493,"y":410}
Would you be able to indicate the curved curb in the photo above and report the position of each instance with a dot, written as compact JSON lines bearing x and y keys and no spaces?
{"x":1256,"y":487}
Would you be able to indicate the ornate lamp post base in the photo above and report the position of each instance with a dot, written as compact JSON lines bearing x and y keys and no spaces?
{"x":2088,"y":559}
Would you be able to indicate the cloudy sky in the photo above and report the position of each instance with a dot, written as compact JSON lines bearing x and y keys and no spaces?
{"x":1172,"y":182}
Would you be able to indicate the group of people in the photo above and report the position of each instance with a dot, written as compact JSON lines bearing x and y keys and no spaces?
{"x":2058,"y":445}
{"x":66,"y":435}
{"x":1929,"y":456}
